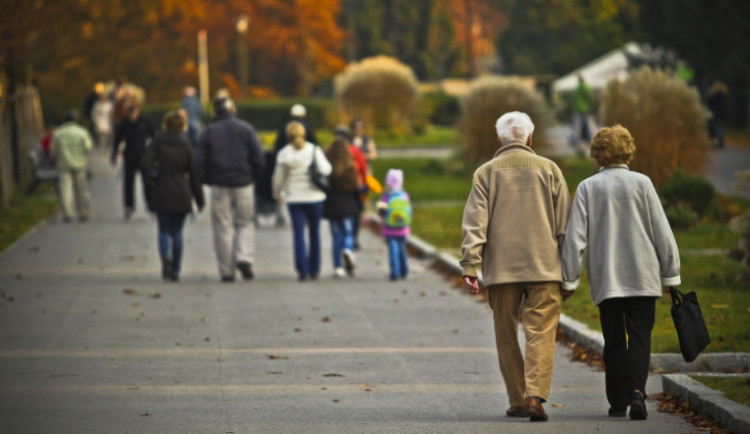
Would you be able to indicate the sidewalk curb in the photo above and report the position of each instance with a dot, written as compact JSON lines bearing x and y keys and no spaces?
{"x":705,"y":400}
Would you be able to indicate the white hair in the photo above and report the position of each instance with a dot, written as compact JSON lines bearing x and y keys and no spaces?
{"x":514,"y":127}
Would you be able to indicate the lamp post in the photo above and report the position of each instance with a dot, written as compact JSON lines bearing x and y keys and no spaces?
{"x":243,"y":22}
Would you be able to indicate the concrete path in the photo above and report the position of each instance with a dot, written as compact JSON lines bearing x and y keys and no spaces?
{"x":92,"y":341}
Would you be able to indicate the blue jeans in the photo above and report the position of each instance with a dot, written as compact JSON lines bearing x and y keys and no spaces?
{"x":170,"y":235}
{"x":307,"y":263}
{"x":397,"y":257}
{"x":342,"y":237}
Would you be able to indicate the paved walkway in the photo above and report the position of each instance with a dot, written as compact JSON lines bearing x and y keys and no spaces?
{"x":92,"y":341}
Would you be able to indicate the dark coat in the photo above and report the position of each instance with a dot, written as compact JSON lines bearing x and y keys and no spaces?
{"x":342,"y":198}
{"x":135,"y":133}
{"x":178,"y":181}
{"x":229,"y":153}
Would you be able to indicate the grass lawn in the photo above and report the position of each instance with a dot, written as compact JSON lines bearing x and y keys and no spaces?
{"x":25,"y":212}
{"x":735,"y":388}
{"x":433,"y":136}
{"x":439,"y":188}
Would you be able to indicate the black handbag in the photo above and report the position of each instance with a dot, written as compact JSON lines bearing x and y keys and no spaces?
{"x":151,"y":170}
{"x":318,"y":179}
{"x":688,"y":320}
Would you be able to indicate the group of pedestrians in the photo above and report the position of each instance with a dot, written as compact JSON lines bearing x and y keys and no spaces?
{"x":519,"y":226}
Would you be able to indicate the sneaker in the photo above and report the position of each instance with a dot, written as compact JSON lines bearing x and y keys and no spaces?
{"x":246,"y":269}
{"x":638,"y":406}
{"x":617,"y":412}
{"x":339,"y":272}
{"x":227,"y":279}
{"x":349,"y":263}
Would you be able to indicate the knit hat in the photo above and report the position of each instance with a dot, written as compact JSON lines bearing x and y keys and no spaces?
{"x":298,"y":110}
{"x":394,"y":179}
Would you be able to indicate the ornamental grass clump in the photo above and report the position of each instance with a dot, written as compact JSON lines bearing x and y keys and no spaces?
{"x":666,"y":119}
{"x":380,"y":90}
{"x":485,"y":101}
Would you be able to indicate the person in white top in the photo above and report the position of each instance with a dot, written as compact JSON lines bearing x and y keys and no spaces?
{"x":101,"y":116}
{"x":632,"y":253}
{"x":293,"y":185}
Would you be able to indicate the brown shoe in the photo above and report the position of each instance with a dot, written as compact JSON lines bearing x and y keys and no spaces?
{"x":517,"y":412}
{"x":535,"y":410}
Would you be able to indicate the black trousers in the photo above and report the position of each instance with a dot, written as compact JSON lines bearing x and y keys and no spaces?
{"x":130,"y":167}
{"x":626,"y":358}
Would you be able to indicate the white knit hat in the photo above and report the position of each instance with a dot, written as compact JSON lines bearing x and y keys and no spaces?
{"x":298,"y":110}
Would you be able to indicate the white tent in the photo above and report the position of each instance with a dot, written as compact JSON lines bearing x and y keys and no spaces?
{"x":598,"y":72}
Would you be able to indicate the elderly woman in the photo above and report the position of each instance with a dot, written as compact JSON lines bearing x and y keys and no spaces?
{"x":292,"y":184}
{"x":173,"y":189}
{"x":632,"y":254}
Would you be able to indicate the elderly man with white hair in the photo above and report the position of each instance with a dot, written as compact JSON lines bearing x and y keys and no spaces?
{"x":513,"y":227}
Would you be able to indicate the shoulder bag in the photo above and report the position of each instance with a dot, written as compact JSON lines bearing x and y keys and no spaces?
{"x":317,"y":178}
{"x":688,"y":320}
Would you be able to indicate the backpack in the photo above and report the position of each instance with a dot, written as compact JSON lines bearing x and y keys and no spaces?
{"x":398,"y":214}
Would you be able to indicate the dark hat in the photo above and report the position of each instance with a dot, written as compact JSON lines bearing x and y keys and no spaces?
{"x":343,"y":131}
{"x":222,"y":105}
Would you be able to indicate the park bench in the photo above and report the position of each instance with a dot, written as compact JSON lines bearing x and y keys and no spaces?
{"x":43,"y":169}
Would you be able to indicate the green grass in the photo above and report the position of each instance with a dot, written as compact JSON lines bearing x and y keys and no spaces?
{"x":708,"y":235}
{"x":428,"y":179}
{"x":735,"y":388}
{"x":25,"y":212}
{"x":433,"y":136}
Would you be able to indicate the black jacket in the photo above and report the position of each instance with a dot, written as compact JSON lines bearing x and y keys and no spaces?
{"x":178,"y":182}
{"x":135,"y":133}
{"x":229,"y":153}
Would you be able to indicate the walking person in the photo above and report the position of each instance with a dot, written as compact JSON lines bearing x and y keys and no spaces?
{"x":513,"y":227}
{"x":230,"y":159}
{"x":101,"y":117}
{"x":342,"y":206}
{"x":292,"y":184}
{"x":71,"y":144}
{"x":367,"y":147}
{"x":582,"y":104}
{"x":194,"y":112}
{"x":136,"y":132}
{"x":395,"y":209}
{"x":632,"y":253}
{"x":175,"y":186}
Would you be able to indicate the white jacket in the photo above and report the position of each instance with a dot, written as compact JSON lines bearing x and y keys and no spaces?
{"x":291,"y":176}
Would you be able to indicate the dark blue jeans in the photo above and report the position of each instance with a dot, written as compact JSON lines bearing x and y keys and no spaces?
{"x":170,"y":237}
{"x":397,"y":257}
{"x":342,"y":238}
{"x":307,"y":263}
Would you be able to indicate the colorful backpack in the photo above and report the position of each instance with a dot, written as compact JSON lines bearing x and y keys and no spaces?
{"x":399,"y":211}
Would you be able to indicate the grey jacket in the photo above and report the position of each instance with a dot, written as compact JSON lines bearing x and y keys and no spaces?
{"x":632,"y":252}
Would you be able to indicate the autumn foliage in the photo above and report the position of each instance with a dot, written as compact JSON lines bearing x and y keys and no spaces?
{"x":487,"y":99}
{"x":666,"y":119}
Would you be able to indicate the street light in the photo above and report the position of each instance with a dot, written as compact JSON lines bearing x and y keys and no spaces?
{"x":243,"y":22}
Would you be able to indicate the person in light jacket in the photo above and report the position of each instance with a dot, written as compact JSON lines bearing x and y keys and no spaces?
{"x":513,"y":227}
{"x":617,"y":214}
{"x":292,"y":184}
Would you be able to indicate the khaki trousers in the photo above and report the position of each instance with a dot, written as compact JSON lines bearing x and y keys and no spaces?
{"x":74,"y":189}
{"x":232,"y":212}
{"x":539,"y":305}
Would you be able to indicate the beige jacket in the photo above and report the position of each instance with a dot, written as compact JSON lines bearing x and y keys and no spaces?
{"x":515,"y":218}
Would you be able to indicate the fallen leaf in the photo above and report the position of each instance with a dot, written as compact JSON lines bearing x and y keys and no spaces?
{"x":558,"y":405}
{"x":332,"y":374}
{"x":155,"y":296}
{"x":206,"y":339}
{"x":275,"y":357}
{"x":718,"y":306}
{"x":297,"y":330}
{"x":19,"y":276}
{"x":144,"y":414}
{"x":325,"y":319}
{"x":336,"y":401}
{"x":129,"y":291}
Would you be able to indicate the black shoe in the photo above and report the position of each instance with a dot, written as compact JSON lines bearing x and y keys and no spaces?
{"x":301,"y":277}
{"x":166,"y":269}
{"x":246,"y":269}
{"x":617,"y":412}
{"x":638,"y":406}
{"x":227,"y":279}
{"x":175,"y":277}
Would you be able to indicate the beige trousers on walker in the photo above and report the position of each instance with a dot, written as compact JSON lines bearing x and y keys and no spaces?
{"x":232,"y":212}
{"x":74,"y":189}
{"x":539,"y":304}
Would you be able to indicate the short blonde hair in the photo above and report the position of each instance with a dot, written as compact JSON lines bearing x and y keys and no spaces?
{"x":612,"y":145}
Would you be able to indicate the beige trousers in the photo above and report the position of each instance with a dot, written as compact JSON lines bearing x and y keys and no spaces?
{"x":232,"y":212}
{"x":539,"y":305}
{"x":74,"y":190}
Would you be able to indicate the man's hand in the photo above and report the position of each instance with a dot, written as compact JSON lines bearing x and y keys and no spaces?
{"x":566,"y":294}
{"x":471,"y":285}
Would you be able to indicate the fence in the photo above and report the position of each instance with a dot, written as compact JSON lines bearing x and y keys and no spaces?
{"x":21,"y":127}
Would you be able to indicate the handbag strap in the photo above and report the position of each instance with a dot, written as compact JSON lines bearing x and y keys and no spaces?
{"x":676,"y":295}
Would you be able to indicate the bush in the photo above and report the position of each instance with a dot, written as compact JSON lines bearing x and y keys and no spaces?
{"x":485,"y":101}
{"x":380,"y":90}
{"x":695,"y":192}
{"x":666,"y":118}
{"x":680,"y":216}
{"x":440,"y":108}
